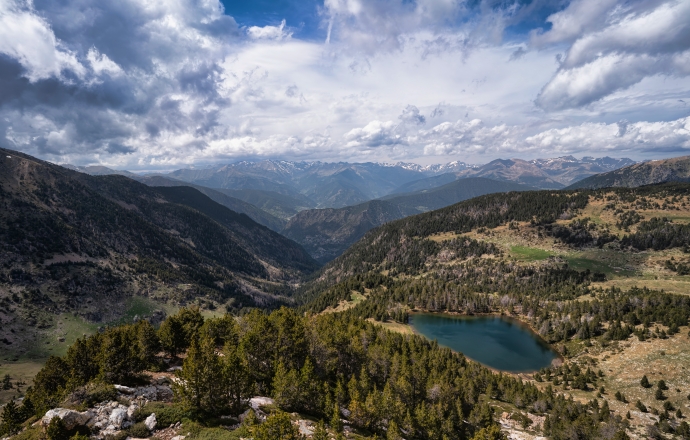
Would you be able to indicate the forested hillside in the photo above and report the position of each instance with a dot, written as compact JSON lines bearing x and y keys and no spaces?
{"x":327,"y":233}
{"x":589,"y":271}
{"x":85,"y":245}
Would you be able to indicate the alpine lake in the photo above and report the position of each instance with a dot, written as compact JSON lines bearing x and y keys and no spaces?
{"x":495,"y":341}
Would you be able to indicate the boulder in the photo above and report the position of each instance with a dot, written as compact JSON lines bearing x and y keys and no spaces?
{"x":124,"y":390}
{"x":150,"y":422}
{"x":117,"y":417}
{"x":258,"y":401}
{"x":70,"y":418}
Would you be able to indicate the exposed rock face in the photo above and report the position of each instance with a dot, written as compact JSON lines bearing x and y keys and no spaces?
{"x":70,"y":418}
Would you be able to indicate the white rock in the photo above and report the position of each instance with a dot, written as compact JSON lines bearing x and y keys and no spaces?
{"x":178,"y":437}
{"x":150,"y":422}
{"x":123,"y":389}
{"x":132,"y":408}
{"x":117,"y":417}
{"x":71,"y":419}
{"x":256,"y":402}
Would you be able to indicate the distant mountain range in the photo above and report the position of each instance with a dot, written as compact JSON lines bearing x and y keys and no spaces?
{"x":540,"y":173}
{"x":327,"y":233}
{"x":303,"y":185}
{"x":645,"y":173}
{"x":328,"y":206}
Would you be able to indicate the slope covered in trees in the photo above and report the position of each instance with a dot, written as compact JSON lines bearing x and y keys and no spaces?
{"x":333,"y":368}
{"x":327,"y":233}
{"x":70,"y":242}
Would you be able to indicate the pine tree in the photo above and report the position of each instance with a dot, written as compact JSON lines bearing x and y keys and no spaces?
{"x":277,"y":426}
{"x":236,"y":376}
{"x":393,"y":432}
{"x":286,"y":388}
{"x":335,"y":422}
{"x":7,"y":382}
{"x":148,"y":343}
{"x":492,"y":432}
{"x":56,"y":430}
{"x":83,"y":358}
{"x":172,"y":336}
{"x":310,"y":397}
{"x":11,"y":419}
{"x":119,"y":359}
{"x":203,"y":387}
{"x":320,"y":432}
{"x":645,"y":382}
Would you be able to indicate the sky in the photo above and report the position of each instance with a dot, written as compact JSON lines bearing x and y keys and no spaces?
{"x":166,"y":84}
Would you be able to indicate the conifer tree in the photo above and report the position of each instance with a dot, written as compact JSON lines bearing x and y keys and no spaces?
{"x":172,"y":336}
{"x":645,"y":382}
{"x":148,"y":343}
{"x":203,"y":387}
{"x":286,"y":388}
{"x":277,"y":426}
{"x":11,"y":419}
{"x":320,"y":432}
{"x":335,"y":422}
{"x":492,"y":432}
{"x":393,"y":432}
{"x":7,"y":382}
{"x":236,"y":376}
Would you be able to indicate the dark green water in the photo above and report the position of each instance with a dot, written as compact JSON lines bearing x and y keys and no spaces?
{"x":494,"y":341}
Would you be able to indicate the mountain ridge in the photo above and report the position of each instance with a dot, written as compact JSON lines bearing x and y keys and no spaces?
{"x":676,"y":169}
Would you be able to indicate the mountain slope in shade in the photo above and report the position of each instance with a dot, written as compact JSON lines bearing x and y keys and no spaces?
{"x":281,"y":206}
{"x":646,"y":173}
{"x":424,"y":184}
{"x":84,"y":244}
{"x":327,"y":233}
{"x":220,"y":196}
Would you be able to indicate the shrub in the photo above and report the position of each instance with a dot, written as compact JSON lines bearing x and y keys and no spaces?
{"x":641,"y":406}
{"x":166,"y":415}
{"x":56,"y":430}
{"x":139,"y":430}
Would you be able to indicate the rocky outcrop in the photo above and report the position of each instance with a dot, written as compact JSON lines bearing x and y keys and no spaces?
{"x":70,"y":418}
{"x":110,"y":418}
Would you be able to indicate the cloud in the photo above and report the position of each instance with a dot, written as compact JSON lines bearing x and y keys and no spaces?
{"x":138,"y":84}
{"x":275,"y":33}
{"x":476,"y":138}
{"x":375,"y":134}
{"x":659,"y":138}
{"x":411,"y":115}
{"x":629,"y":47}
{"x":29,"y":39}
